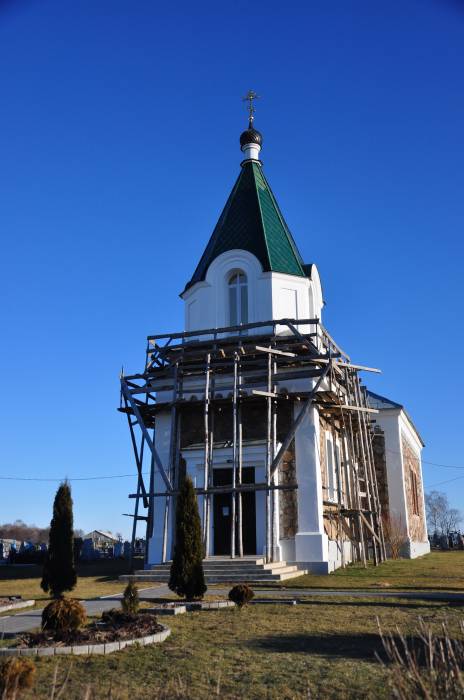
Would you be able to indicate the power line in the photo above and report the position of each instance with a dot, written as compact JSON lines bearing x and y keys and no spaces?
{"x":75,"y":478}
{"x":124,"y":476}
{"x":447,"y":481}
{"x":433,"y":464}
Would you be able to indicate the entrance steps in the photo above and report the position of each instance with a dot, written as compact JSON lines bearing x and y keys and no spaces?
{"x":225,"y":570}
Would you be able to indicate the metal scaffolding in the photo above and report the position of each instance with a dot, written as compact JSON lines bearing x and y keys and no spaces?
{"x":252,"y":363}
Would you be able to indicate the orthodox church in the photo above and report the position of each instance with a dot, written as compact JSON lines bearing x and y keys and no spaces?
{"x":296,"y":464}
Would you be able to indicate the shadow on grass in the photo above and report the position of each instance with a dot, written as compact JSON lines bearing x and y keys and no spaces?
{"x":348,"y":646}
{"x":339,"y":645}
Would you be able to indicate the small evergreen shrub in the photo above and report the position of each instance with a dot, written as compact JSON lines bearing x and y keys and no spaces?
{"x":130,"y":602}
{"x":187,"y":577}
{"x":116,"y":618}
{"x":16,"y":674}
{"x":241,"y":594}
{"x":63,"y":615}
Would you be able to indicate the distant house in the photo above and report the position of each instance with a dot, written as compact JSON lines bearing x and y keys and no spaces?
{"x":100,"y":544}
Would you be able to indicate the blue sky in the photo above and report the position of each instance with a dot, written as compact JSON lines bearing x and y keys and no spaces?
{"x":119,"y":126}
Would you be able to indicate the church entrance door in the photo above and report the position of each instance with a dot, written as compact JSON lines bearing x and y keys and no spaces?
{"x":222,"y":508}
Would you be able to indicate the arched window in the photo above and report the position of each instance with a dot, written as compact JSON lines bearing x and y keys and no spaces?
{"x":238,"y":299}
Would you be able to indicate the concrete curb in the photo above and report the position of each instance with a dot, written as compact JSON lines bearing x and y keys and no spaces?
{"x":89,"y":649}
{"x":17,"y":606}
{"x":213,"y":605}
{"x":181,"y":608}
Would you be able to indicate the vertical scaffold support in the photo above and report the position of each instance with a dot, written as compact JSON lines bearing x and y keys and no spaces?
{"x":206,"y":454}
{"x":269,"y":461}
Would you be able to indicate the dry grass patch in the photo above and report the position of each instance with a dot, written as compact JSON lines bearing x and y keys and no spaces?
{"x":264,"y":651}
{"x":94,"y":579}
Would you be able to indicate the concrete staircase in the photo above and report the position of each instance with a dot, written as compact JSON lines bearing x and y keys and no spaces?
{"x":225,"y":570}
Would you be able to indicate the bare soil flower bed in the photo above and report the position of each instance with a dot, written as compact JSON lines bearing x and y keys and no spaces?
{"x":9,"y":601}
{"x":114,"y":626}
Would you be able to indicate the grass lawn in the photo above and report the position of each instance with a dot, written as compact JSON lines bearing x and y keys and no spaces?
{"x":321,"y":650}
{"x":95,"y":579}
{"x":442,"y":571}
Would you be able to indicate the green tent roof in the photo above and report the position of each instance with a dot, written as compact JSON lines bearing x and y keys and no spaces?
{"x":252,"y":221}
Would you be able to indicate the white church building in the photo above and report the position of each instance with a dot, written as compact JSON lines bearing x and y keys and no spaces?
{"x":297,"y":466}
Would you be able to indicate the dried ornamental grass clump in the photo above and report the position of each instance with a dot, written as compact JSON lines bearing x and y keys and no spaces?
{"x":241,"y":594}
{"x":16,"y":675}
{"x":130,"y":602}
{"x":63,"y":615}
{"x":429,"y":666}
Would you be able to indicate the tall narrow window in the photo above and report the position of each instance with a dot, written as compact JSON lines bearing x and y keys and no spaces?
{"x":338,"y":473}
{"x":238,"y":299}
{"x":414,"y":493}
{"x":330,"y":463}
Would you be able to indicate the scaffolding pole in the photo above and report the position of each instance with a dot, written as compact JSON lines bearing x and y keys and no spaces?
{"x":255,"y":361}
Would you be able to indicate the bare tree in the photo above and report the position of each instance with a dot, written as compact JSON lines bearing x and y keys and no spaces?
{"x":19,"y":530}
{"x":441,"y":519}
{"x":450,"y":520}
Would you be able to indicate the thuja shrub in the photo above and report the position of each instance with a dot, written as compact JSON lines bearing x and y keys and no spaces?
{"x":130,"y":602}
{"x":241,"y":594}
{"x":187,"y":577}
{"x":16,"y":675}
{"x":59,"y":572}
{"x":63,"y":615}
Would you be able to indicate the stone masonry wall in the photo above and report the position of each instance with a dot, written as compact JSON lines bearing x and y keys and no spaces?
{"x":331,"y":525}
{"x":412,"y":477}
{"x":288,"y":503}
{"x":380,"y":463}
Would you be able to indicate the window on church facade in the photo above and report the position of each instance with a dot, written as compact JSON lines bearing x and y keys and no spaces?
{"x":414,"y":493}
{"x":338,"y":470}
{"x":330,"y":463}
{"x":238,"y":299}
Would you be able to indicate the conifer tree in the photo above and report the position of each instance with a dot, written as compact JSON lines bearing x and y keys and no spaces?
{"x":59,"y":573}
{"x":187,"y":577}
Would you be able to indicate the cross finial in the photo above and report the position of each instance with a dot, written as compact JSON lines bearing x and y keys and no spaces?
{"x":249,"y":97}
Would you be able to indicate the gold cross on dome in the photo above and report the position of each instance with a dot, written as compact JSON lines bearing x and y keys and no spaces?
{"x":249,"y":97}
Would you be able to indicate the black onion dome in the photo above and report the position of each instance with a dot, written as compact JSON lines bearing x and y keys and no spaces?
{"x":251,"y":136}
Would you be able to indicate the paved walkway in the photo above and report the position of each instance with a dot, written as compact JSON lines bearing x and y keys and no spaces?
{"x":20,"y":622}
{"x":11,"y":625}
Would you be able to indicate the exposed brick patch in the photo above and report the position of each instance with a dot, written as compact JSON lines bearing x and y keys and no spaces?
{"x":380,"y":463}
{"x":414,"y":492}
{"x":288,"y":503}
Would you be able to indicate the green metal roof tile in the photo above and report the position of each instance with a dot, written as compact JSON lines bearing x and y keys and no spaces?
{"x":251,"y":220}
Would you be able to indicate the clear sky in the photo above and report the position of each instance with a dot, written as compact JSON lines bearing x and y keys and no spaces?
{"x":119,"y":126}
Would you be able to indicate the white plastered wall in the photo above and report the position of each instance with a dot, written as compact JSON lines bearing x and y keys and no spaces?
{"x":311,"y":542}
{"x":393,"y":422}
{"x":252,"y":456}
{"x":162,"y":444}
{"x":416,"y":547}
{"x":270,"y":294}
